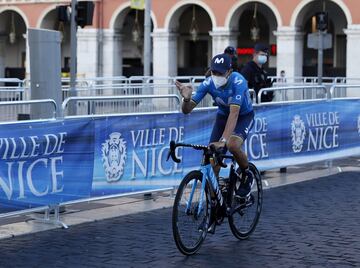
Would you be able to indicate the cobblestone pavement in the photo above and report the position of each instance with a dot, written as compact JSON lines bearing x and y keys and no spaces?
{"x":309,"y":224}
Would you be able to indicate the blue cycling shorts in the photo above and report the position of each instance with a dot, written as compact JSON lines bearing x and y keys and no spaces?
{"x":243,"y":126}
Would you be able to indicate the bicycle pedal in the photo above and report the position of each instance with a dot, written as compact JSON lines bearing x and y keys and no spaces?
{"x":211,"y":229}
{"x":228,"y":211}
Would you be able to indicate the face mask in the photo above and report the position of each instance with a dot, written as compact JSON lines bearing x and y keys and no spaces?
{"x":262,"y":59}
{"x":218,"y":81}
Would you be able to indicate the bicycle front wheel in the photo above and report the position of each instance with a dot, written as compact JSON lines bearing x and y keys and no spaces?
{"x":191,"y":214}
{"x":245,"y":216}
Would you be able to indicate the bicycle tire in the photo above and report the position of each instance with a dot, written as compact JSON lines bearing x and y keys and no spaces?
{"x":236,"y":230}
{"x":177,"y":227}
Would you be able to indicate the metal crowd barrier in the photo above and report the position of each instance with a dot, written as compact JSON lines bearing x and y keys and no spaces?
{"x":21,"y":110}
{"x":305,"y":89}
{"x":295,"y":93}
{"x":95,"y":105}
{"x":345,"y":91}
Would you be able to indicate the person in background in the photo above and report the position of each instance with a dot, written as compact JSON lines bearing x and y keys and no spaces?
{"x":231,"y":51}
{"x":256,"y":75}
{"x":282,"y":78}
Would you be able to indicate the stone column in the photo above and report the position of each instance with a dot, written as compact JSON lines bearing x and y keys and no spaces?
{"x":221,"y":38}
{"x":164,"y":53}
{"x":27,"y":59}
{"x":2,"y":55}
{"x":353,"y":57}
{"x":290,"y":47}
{"x":87,"y":58}
{"x":112,"y":52}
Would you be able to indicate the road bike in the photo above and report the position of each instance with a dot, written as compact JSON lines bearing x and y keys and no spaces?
{"x":203,"y":201}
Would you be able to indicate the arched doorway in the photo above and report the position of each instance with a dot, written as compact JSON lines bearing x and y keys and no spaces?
{"x":51,"y":22}
{"x":335,"y":57}
{"x":254,"y":22}
{"x":129,"y":24}
{"x":12,"y":45}
{"x":191,"y":23}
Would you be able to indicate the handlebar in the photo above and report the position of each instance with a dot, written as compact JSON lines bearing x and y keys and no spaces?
{"x":210,"y":151}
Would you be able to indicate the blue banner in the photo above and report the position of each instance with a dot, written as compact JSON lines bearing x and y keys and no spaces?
{"x":291,"y":134}
{"x":130,"y":151}
{"x":45,"y":163}
{"x":56,"y":161}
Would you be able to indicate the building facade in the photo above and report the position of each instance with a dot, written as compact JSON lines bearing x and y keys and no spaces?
{"x":186,"y":34}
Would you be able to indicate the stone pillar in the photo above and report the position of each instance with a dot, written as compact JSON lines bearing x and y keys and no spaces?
{"x":112,"y":60}
{"x":87,"y":58}
{"x":27,"y":59}
{"x":353,"y":57}
{"x":2,"y":55}
{"x":290,"y":42}
{"x":221,"y":38}
{"x":164,"y":53}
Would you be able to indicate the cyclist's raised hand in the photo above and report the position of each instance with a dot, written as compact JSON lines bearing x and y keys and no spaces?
{"x":185,"y":91}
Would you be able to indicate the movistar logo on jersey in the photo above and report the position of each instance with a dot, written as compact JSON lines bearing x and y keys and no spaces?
{"x":218,"y":61}
{"x":238,"y":81}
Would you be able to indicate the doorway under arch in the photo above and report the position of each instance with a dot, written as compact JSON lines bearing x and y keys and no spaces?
{"x":129,"y":23}
{"x":335,"y":57}
{"x":192,"y":24}
{"x":254,"y":22}
{"x":12,"y":45}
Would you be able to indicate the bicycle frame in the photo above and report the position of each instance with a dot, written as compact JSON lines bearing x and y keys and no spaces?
{"x":208,"y":175}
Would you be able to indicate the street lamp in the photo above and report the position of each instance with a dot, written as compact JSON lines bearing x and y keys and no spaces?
{"x":12,"y":34}
{"x":61,"y":30}
{"x":194,"y":29}
{"x":255,"y":30}
{"x":136,"y":32}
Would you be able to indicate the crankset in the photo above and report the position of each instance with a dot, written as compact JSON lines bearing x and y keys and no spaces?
{"x":243,"y":204}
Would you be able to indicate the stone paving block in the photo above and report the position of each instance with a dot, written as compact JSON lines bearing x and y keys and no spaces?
{"x":302,"y":225}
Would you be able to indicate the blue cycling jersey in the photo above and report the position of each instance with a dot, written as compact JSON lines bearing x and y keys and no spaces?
{"x":234,"y":92}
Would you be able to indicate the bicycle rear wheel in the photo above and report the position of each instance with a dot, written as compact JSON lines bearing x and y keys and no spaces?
{"x":247,"y":211}
{"x":189,"y":221}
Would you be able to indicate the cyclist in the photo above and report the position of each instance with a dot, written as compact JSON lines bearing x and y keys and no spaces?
{"x":235,"y":114}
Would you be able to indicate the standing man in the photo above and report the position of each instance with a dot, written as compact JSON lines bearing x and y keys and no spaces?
{"x":256,"y":76}
{"x":255,"y":73}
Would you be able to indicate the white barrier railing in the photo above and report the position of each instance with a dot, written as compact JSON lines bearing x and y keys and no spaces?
{"x":345,"y":91}
{"x":286,"y":89}
{"x":13,"y":110}
{"x":295,"y":93}
{"x":94,"y":105}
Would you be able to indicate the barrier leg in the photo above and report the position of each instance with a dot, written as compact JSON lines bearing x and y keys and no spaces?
{"x":55,"y":220}
{"x":172,"y":192}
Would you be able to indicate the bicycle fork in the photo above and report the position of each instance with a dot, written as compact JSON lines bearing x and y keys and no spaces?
{"x":202,"y":193}
{"x":208,"y":174}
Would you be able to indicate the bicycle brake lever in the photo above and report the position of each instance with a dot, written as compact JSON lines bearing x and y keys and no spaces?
{"x":221,"y":163}
{"x":172,"y":152}
{"x":217,"y":158}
